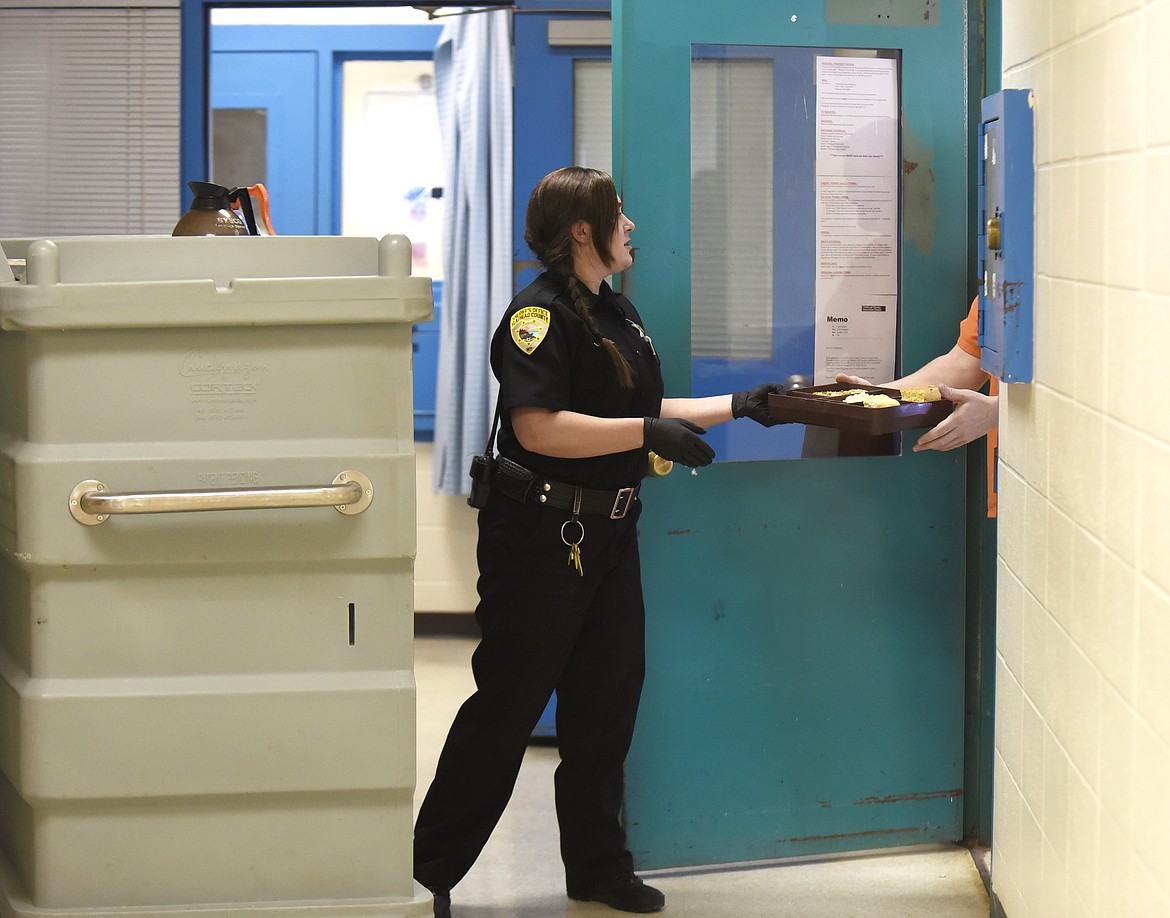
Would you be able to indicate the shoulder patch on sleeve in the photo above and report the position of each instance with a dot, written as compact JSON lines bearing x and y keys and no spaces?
{"x":529,"y":327}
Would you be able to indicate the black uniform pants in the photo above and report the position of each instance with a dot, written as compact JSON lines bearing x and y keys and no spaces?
{"x":544,"y":627}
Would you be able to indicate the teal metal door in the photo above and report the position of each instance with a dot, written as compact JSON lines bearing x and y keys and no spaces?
{"x":805,"y":664}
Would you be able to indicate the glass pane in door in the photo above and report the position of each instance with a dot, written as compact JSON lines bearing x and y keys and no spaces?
{"x":795,"y":230}
{"x":592,"y":114}
{"x":239,"y":146}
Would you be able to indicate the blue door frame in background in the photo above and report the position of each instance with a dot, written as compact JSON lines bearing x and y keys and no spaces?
{"x":543,"y":116}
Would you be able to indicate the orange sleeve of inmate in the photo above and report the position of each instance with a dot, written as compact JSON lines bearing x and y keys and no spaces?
{"x":969,"y":342}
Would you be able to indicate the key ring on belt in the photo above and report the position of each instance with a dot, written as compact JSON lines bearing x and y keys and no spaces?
{"x":575,"y":547}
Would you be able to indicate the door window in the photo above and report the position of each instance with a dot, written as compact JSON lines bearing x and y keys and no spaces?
{"x":239,"y":146}
{"x":593,"y":114}
{"x":795,"y":225}
{"x":732,"y":152}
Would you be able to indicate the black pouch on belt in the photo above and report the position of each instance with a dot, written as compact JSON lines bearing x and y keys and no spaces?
{"x":513,"y":479}
{"x":483,"y":469}
{"x":482,"y":472}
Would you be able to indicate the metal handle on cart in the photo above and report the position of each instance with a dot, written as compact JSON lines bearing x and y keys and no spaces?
{"x":91,"y":503}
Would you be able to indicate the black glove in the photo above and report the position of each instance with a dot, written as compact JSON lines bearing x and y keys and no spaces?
{"x":753,"y":403}
{"x":677,"y":440}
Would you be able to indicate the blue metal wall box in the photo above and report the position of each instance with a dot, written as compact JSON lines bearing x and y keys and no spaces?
{"x":1007,"y":182}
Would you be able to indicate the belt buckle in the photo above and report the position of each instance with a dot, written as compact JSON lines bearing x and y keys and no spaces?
{"x":621,"y":503}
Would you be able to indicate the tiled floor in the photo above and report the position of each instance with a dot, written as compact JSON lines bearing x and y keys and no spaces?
{"x":519,"y":874}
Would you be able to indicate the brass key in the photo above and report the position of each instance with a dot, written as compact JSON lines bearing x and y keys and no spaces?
{"x":575,"y":557}
{"x":575,"y":547}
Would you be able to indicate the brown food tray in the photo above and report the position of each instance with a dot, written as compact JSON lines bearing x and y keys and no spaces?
{"x":801,"y":406}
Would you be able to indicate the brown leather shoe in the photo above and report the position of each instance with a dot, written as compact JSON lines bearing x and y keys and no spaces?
{"x":626,"y":893}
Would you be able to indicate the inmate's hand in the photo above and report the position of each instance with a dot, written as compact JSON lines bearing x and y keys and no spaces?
{"x":753,"y":403}
{"x":677,"y":440}
{"x":974,"y":415}
{"x":852,"y":380}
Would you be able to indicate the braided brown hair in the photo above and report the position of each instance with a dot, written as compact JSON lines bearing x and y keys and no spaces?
{"x":559,"y":200}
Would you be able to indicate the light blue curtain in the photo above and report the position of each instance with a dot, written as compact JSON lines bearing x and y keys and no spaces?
{"x":473,"y":86}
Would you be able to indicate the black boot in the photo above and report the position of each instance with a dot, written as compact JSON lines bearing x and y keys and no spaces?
{"x":442,"y":901}
{"x":626,"y":893}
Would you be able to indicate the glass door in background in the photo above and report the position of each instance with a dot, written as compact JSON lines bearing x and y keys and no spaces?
{"x":392,"y":182}
{"x":392,"y":157}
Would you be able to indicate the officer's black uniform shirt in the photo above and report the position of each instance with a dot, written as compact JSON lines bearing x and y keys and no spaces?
{"x":545,"y":356}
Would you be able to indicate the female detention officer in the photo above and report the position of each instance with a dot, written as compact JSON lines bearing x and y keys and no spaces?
{"x":581,"y":403}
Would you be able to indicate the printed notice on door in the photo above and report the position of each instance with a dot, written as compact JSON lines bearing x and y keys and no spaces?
{"x":856,"y":218}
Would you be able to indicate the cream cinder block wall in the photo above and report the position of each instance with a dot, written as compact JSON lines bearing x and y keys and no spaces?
{"x":1082,"y":780}
{"x":444,"y":568}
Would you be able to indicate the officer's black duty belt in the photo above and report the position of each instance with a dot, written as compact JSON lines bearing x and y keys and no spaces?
{"x":518,"y":483}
